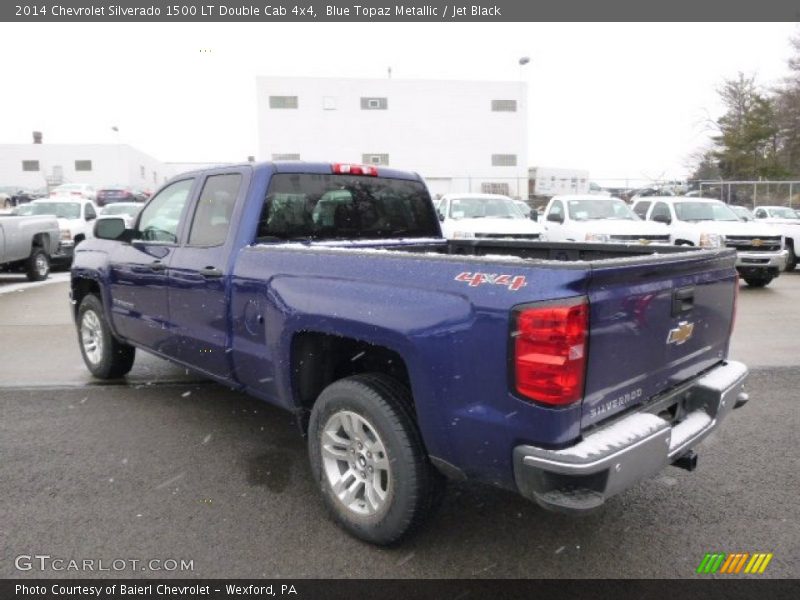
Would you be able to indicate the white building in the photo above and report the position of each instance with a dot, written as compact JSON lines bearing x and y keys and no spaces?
{"x":549,"y":181}
{"x":459,"y":135}
{"x":33,"y":166}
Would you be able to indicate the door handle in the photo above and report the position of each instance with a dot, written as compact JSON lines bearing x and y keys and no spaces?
{"x":158,"y":266}
{"x":682,"y":300}
{"x":210,"y":272}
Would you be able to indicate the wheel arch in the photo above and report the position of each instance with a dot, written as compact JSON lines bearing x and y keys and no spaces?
{"x":318,"y":359}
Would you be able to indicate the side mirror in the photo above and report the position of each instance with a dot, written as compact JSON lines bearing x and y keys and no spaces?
{"x":555,"y":217}
{"x":111,"y":228}
{"x":440,"y":215}
{"x":534,"y":216}
{"x":661,"y":219}
{"x":91,"y":217}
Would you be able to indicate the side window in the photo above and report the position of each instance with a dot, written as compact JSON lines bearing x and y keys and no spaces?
{"x":160,"y":218}
{"x":556,"y":209}
{"x":661,"y":210}
{"x":641,"y":209}
{"x":89,"y":212}
{"x":212,"y":217}
{"x":761,"y":214}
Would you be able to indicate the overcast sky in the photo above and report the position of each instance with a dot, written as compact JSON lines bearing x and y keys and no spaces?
{"x":621,"y":100}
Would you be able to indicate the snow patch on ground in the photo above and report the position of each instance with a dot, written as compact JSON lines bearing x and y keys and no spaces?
{"x":19,"y":284}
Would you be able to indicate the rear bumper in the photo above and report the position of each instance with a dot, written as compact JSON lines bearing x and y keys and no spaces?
{"x":613,"y":459}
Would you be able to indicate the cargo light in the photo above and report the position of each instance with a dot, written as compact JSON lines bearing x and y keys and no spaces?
{"x":550,"y":348}
{"x":348,"y":169}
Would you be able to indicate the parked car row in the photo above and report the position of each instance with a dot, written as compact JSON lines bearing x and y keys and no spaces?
{"x":11,"y":197}
{"x":765,"y":242}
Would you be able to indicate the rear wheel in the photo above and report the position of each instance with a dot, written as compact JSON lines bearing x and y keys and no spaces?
{"x":368,"y":458}
{"x":37,"y":267}
{"x":104,"y":355}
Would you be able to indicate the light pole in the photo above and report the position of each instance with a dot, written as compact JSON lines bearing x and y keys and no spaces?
{"x":524,"y":60}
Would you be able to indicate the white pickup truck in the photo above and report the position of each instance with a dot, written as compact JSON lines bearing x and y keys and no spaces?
{"x":712,"y":224}
{"x":484,"y":216}
{"x":593,"y":218}
{"x":27,"y":243}
{"x":787,"y":221}
{"x":75,"y":220}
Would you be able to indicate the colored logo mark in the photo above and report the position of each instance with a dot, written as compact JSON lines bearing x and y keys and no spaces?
{"x":732,"y":564}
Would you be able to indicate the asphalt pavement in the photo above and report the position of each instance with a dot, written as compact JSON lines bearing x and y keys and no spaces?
{"x":170,"y":467}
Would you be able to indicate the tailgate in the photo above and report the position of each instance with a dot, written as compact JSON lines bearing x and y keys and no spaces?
{"x":653,"y":326}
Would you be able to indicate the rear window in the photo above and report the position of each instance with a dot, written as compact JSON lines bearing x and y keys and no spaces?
{"x":319,"y":207}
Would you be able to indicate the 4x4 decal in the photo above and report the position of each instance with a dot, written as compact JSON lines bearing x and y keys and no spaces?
{"x":512,"y":282}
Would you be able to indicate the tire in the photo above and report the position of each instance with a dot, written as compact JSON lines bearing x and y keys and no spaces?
{"x":37,"y":267}
{"x":368,"y":423}
{"x":104,"y":355}
{"x":791,"y":260}
{"x":758,"y":283}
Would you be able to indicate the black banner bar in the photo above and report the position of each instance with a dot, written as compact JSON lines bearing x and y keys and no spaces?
{"x":734,"y":588}
{"x":446,"y":11}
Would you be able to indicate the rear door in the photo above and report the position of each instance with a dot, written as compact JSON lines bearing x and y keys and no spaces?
{"x":138,"y":271}
{"x":199,"y":272}
{"x":653,"y":326}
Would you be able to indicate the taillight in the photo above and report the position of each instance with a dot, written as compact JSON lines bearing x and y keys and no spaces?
{"x":348,"y":169}
{"x":550,"y":347}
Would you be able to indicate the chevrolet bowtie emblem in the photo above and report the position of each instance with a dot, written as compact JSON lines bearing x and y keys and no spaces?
{"x":681,"y":333}
{"x":644,"y":241}
{"x":757,"y":242}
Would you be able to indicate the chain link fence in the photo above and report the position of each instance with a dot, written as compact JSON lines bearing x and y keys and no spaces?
{"x":753,"y":193}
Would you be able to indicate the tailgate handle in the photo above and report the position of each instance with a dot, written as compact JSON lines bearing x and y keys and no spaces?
{"x":682,"y":300}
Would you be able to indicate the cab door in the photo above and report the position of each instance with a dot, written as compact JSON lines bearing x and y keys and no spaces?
{"x":199,"y":275}
{"x":138,"y":271}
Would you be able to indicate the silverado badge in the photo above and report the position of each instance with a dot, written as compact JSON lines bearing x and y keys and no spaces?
{"x":681,"y":333}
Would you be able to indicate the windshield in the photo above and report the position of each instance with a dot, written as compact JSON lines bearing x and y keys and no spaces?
{"x":62,"y":210}
{"x":610,"y":208}
{"x":704,"y":211}
{"x":120,"y":209}
{"x":317,"y":207}
{"x":782,"y":213}
{"x":479,"y":208}
{"x":742,"y":213}
{"x":24,"y":210}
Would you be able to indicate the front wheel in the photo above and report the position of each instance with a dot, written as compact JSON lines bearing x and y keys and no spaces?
{"x":37,"y":267}
{"x":104,"y":355}
{"x":791,"y":260}
{"x":368,"y":458}
{"x":758,"y":282}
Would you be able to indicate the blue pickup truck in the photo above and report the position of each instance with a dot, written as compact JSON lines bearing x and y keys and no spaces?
{"x":567,"y":372}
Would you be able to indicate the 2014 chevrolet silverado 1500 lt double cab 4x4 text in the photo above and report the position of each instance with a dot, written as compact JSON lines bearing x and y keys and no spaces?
{"x":565,"y":371}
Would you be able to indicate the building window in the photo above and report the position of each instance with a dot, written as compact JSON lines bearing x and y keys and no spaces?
{"x":30,"y":165}
{"x":283,"y":101}
{"x":83,"y":165}
{"x":504,"y":160}
{"x":488,"y":187}
{"x":375,"y":159}
{"x":328,"y":103}
{"x":374,"y":103}
{"x":286,"y":156}
{"x":504,"y":105}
